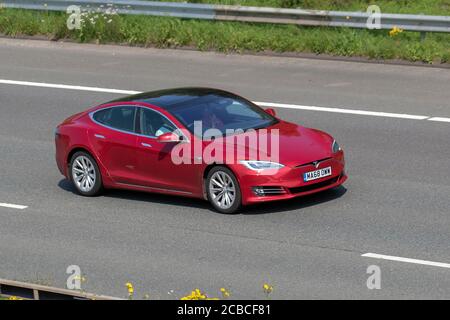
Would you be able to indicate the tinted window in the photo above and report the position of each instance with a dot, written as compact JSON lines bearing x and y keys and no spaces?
{"x":154,"y":124}
{"x":222,"y":113}
{"x":121,"y":118}
{"x":239,"y":110}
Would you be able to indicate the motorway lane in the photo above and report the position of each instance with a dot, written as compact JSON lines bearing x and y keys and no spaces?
{"x":396,"y":201}
{"x":375,"y":87}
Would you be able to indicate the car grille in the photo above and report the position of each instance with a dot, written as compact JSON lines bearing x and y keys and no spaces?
{"x":312,"y":163}
{"x":314,"y":186}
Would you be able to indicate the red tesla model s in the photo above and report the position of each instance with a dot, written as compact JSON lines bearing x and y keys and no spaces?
{"x":196,"y":142}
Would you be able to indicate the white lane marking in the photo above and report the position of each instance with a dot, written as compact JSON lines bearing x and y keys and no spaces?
{"x":339,"y":110}
{"x":13,"y":206}
{"x":68,"y":87}
{"x":408,"y":260}
{"x":439,"y":119}
{"x":263,"y":104}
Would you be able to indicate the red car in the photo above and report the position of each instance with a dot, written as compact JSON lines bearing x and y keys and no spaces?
{"x":170,"y":142}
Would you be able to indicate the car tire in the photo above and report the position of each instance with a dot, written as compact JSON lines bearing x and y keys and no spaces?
{"x":85,"y":174}
{"x":223,"y":190}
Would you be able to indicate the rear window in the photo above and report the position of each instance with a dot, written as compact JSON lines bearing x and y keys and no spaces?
{"x":121,"y":118}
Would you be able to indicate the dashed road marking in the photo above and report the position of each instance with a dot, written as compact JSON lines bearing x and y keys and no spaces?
{"x":407,"y":260}
{"x":341,"y":110}
{"x":439,"y":119}
{"x":64,"y":86}
{"x":13,"y":206}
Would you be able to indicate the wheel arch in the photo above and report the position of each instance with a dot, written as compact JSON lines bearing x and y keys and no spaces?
{"x":206,"y":171}
{"x":75,"y":149}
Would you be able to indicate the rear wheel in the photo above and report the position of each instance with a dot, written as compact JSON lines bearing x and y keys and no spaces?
{"x":223,"y":190}
{"x":85,"y":174}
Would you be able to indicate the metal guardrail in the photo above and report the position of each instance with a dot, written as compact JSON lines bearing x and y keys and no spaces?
{"x":31,"y":291}
{"x":421,"y":23}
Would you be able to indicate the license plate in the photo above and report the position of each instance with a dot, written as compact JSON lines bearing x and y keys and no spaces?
{"x":317,"y":174}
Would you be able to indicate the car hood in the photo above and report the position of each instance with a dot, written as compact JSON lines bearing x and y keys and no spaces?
{"x":287,"y":143}
{"x":297,"y":145}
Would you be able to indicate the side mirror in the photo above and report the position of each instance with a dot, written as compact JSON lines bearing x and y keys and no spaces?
{"x":271,"y":112}
{"x":169,"y":137}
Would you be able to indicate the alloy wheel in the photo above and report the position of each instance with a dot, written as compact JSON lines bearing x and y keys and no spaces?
{"x":83,"y":173}
{"x":222,"y":190}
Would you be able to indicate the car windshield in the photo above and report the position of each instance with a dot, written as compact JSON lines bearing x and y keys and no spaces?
{"x":220,"y":112}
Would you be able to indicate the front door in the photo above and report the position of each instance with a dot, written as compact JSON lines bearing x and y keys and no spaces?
{"x":154,"y":159}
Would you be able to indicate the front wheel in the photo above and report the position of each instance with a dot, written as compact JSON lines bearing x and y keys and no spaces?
{"x":223,"y":190}
{"x":85,"y":174}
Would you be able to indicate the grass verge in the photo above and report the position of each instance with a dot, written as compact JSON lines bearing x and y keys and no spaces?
{"x":228,"y":36}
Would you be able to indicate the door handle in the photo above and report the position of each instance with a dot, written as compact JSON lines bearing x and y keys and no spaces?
{"x":99,"y":136}
{"x":146,"y":145}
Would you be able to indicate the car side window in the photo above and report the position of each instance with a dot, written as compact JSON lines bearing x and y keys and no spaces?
{"x":121,"y":118}
{"x":154,"y":124}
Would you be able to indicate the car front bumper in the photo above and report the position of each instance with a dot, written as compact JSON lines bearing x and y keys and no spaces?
{"x":288,"y":182}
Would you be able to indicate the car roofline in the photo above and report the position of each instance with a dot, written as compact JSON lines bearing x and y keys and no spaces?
{"x":140,"y":97}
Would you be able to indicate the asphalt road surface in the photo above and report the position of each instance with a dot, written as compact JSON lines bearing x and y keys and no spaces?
{"x":396,"y":201}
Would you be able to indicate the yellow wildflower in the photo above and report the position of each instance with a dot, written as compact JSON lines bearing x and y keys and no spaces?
{"x":267,"y":288}
{"x":197,"y":294}
{"x":130,"y":288}
{"x":224,"y":292}
{"x":80,"y":278}
{"x":395,"y":31}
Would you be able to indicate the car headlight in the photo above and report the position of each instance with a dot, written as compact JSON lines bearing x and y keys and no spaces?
{"x":335,"y":148}
{"x":261,"y":165}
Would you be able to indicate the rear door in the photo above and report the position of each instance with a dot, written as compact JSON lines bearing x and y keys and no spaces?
{"x":114,"y":140}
